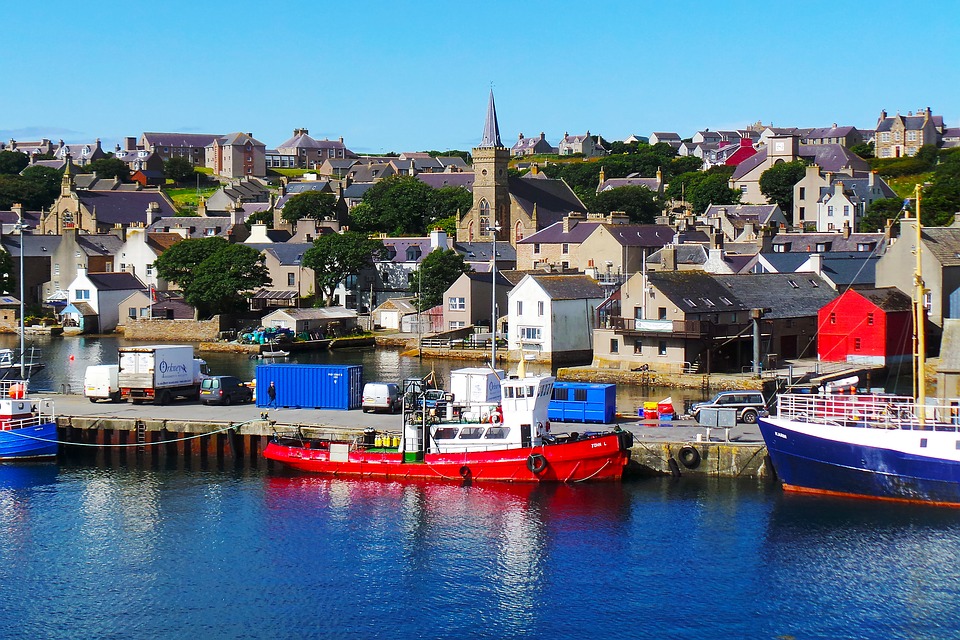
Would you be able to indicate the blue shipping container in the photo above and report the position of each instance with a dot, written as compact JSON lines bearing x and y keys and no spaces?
{"x":583,"y":402}
{"x":311,"y":386}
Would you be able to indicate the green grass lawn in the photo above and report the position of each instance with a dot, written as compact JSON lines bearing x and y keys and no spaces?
{"x":188,"y":197}
{"x":904,"y":186}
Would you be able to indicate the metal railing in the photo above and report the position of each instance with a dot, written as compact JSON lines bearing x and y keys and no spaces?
{"x":878,"y":411}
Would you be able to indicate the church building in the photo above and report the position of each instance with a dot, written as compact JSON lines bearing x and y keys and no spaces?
{"x":514,"y":208}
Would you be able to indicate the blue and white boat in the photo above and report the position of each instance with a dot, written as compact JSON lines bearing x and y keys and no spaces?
{"x":28,"y":427}
{"x":867,"y":446}
{"x":885,"y":447}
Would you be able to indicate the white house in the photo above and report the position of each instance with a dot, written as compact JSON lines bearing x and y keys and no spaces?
{"x":550,"y":317}
{"x":93,"y":300}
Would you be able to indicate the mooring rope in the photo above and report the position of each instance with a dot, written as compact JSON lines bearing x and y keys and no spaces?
{"x":129,"y":444}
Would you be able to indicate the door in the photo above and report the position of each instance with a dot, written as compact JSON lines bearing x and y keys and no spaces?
{"x":525,"y":439}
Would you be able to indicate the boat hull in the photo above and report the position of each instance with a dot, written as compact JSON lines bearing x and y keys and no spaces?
{"x":594,"y":459}
{"x":919,"y":466}
{"x":35,"y":442}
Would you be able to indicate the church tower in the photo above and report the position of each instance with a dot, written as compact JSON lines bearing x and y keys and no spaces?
{"x":491,"y":196}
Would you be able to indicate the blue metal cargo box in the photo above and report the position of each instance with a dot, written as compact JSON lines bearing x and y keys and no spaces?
{"x":311,"y":386}
{"x":583,"y":402}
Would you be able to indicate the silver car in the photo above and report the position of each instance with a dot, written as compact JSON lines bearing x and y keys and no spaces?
{"x":749,"y":405}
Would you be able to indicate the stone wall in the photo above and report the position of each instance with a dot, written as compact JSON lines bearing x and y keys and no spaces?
{"x":158,"y":331}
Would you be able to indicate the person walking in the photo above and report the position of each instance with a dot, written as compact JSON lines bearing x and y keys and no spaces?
{"x":272,"y":395}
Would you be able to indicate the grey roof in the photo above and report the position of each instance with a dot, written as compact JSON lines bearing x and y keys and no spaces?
{"x":124,"y":207}
{"x":833,"y":241}
{"x":484,"y":276}
{"x":286,"y":253}
{"x":888,"y":298}
{"x":577,"y":232}
{"x":118,"y":281}
{"x":318,"y":313}
{"x":312,"y":185}
{"x":554,"y":198}
{"x":569,"y":287}
{"x":195,"y":226}
{"x":910,"y":123}
{"x":653,"y":184}
{"x":179,"y":139}
{"x":491,"y":130}
{"x":829,"y":157}
{"x":38,"y":245}
{"x":480,"y":251}
{"x":685,"y":254}
{"x":781,"y":295}
{"x":103,"y":244}
{"x":237,"y":139}
{"x":943,"y":243}
{"x":357,"y":189}
{"x":829,"y":132}
{"x":453,"y":179}
{"x":641,"y":235}
{"x":761,"y":212}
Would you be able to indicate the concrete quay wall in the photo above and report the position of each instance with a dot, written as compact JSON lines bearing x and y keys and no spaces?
{"x":243,"y":442}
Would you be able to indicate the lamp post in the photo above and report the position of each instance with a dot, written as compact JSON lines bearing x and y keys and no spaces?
{"x":493,"y":301}
{"x":23,"y":352}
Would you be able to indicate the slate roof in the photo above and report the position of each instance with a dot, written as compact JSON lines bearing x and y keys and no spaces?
{"x":484,"y":276}
{"x":943,"y":243}
{"x":196,"y":226}
{"x":888,"y":298}
{"x":910,"y":123}
{"x":305,"y":141}
{"x":237,"y":139}
{"x":34,"y":245}
{"x":759,"y":212}
{"x":641,"y":235}
{"x":569,"y":287}
{"x":554,"y":233}
{"x":286,"y":253}
{"x":318,"y":313}
{"x":829,"y":132}
{"x":480,"y":251}
{"x":357,"y":189}
{"x":782,"y":295}
{"x":807,"y":242}
{"x":161,"y":241}
{"x":829,"y":157}
{"x":554,"y":198}
{"x":104,"y":244}
{"x":119,"y":281}
{"x":453,"y":179}
{"x":851,"y":271}
{"x":653,"y":184}
{"x":179,"y":139}
{"x":685,"y":254}
{"x":124,"y":207}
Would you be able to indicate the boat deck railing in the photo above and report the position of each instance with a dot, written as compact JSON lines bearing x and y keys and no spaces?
{"x":870,"y":410}
{"x":17,"y":387}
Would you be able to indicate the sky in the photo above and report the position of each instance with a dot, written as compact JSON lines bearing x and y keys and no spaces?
{"x":406,"y":76}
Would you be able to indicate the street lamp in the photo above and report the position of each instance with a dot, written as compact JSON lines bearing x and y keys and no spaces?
{"x":493,"y":305}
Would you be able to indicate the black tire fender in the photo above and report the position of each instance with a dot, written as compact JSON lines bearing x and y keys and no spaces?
{"x":689,"y":457}
{"x":536,"y":463}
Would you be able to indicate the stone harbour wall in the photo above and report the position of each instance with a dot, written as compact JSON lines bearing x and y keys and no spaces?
{"x":157,"y":330}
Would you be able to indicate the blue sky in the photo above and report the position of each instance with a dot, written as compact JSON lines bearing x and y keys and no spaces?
{"x":398,"y":76}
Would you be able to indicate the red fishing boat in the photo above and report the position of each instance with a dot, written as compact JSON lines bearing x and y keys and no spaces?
{"x":507,"y":441}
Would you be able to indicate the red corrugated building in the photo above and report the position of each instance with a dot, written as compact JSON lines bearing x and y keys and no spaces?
{"x":867,"y":326}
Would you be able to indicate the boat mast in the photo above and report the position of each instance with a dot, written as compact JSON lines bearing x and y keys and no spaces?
{"x":919,"y":331}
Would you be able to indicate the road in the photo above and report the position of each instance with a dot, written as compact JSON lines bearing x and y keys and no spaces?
{"x":652,"y":430}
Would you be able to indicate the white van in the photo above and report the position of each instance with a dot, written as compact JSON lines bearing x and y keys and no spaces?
{"x":100,"y":382}
{"x":384,"y":396}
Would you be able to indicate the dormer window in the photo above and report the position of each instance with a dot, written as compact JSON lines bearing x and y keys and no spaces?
{"x":821,"y":246}
{"x":793,"y":283}
{"x":413,"y":253}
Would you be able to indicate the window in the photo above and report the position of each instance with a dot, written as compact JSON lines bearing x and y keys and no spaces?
{"x":614,"y":345}
{"x":291,"y":279}
{"x":778,"y":248}
{"x":803,"y":210}
{"x":132,"y":312}
{"x":458,"y":304}
{"x":884,"y":137}
{"x":565,"y":248}
{"x":846,"y":210}
{"x":743,"y":188}
{"x":530,"y":333}
{"x":144,"y":312}
{"x":519,"y":307}
{"x":869,"y":319}
{"x":637,"y":346}
{"x":856,"y":344}
{"x":540,"y":307}
{"x":822,"y":246}
{"x":56,"y":269}
{"x":662,"y":348}
{"x":210,"y":231}
{"x":911,"y":136}
{"x":833,"y":318}
{"x":457,"y":324}
{"x":830,"y":210}
{"x":536,"y":247}
{"x":803,"y":192}
{"x":661,"y":313}
{"x":82,"y":294}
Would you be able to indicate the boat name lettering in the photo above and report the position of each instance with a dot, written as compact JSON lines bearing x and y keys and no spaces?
{"x":780,"y":435}
{"x":596,"y":444}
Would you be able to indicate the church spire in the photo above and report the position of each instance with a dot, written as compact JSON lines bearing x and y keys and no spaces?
{"x":491,"y":130}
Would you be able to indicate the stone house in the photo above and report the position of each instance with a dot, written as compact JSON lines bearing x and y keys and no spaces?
{"x":531,"y":146}
{"x":865,"y":187}
{"x":584,"y":145}
{"x":898,"y":136}
{"x":469,"y":300}
{"x":291,"y":282}
{"x":190,"y":146}
{"x":236,"y":155}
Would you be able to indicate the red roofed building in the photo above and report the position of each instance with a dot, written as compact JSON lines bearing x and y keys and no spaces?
{"x":745,"y":151}
{"x":866,"y":326}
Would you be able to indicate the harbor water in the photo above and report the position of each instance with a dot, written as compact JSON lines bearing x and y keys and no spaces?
{"x":126,"y":552}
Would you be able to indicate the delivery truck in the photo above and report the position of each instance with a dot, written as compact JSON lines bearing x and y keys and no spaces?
{"x":159,"y":373}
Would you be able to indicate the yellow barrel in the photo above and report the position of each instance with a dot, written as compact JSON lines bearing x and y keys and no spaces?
{"x":379,"y":441}
{"x":395,"y":442}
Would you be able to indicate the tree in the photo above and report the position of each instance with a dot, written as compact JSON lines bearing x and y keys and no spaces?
{"x":438,"y":270}
{"x":639,"y":203}
{"x":398,"y":205}
{"x":318,"y":205}
{"x":179,"y":170}
{"x":863,"y":149}
{"x":777,"y":182}
{"x":449,"y":201}
{"x":876,"y":215}
{"x":47,"y":182}
{"x":110,"y":168}
{"x":336,"y":256}
{"x":13,"y":162}
{"x":214,"y":275}
{"x":701,"y":189}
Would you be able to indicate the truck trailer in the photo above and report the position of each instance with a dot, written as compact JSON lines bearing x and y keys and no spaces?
{"x":159,"y":373}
